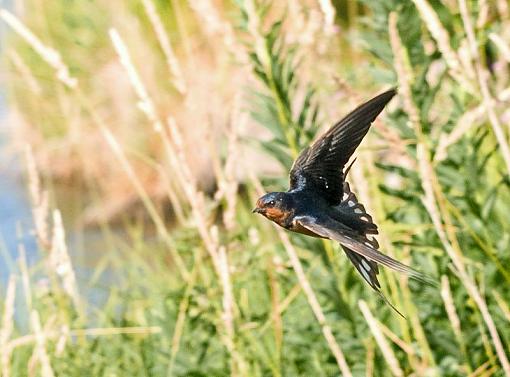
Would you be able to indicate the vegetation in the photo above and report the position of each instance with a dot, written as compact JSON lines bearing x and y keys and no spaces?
{"x":194,"y":109}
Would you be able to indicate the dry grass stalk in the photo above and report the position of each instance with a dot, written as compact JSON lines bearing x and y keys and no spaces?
{"x":40,"y":207}
{"x":455,"y":254}
{"x":296,"y":17}
{"x":213,"y":24}
{"x":181,"y":319}
{"x":293,"y":294}
{"x":228,"y":309}
{"x":60,"y":261}
{"x":484,"y":370}
{"x":386,"y":350}
{"x":404,"y":73}
{"x":254,"y":26}
{"x":25,"y":278}
{"x":174,"y":183}
{"x":404,"y":79}
{"x":314,"y":304}
{"x":194,"y":196}
{"x":502,"y":46}
{"x":40,"y":352}
{"x":406,"y":347}
{"x":25,"y":72}
{"x":446,"y":295}
{"x":304,"y":26}
{"x":145,"y":103}
{"x":423,"y":359}
{"x":442,"y":38}
{"x":434,"y":202}
{"x":483,"y":14}
{"x":149,"y":205}
{"x":210,"y":238}
{"x":483,"y":76}
{"x":58,"y":257}
{"x":207,"y":12}
{"x":171,"y":60}
{"x":7,"y":327}
{"x":147,"y":106}
{"x":62,"y":340}
{"x":503,"y":305}
{"x":280,"y":308}
{"x":169,"y":186}
{"x":503,"y":9}
{"x":48,"y":54}
{"x":226,"y":177}
{"x":329,"y":15}
{"x":8,"y":314}
{"x":276,"y":317}
{"x":449,"y":305}
{"x":464,"y":124}
{"x":370,"y":359}
{"x":80,"y":333}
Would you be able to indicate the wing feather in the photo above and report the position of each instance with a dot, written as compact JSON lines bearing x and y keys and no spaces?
{"x":320,"y":166}
{"x":328,"y":228}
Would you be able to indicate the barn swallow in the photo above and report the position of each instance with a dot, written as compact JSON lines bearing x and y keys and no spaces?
{"x":320,"y":203}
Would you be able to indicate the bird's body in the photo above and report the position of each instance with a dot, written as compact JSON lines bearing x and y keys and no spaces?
{"x":319,"y":202}
{"x":298,"y":203}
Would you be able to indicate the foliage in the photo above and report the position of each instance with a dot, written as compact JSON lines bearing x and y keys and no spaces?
{"x":216,"y":297}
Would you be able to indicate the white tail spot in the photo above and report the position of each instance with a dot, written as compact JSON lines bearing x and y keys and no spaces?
{"x":366,"y":276}
{"x":365,"y":265}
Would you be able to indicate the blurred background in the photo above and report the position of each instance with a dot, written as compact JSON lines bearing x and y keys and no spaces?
{"x":136,"y":136}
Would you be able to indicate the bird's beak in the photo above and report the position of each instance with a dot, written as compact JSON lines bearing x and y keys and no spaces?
{"x":257,"y":210}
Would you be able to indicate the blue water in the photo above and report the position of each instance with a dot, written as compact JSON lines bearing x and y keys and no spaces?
{"x":15,"y":211}
{"x":15,"y":215}
{"x":86,"y":246}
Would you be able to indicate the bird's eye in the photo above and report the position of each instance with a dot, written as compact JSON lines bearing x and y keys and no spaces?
{"x":272,"y":203}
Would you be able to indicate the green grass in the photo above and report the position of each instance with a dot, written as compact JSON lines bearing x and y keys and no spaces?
{"x":442,"y":202}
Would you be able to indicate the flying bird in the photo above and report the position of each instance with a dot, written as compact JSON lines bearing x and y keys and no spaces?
{"x":320,"y":203}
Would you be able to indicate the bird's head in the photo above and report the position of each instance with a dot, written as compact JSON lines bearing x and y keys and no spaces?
{"x":276,"y":206}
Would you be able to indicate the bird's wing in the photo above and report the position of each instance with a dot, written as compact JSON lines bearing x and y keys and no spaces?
{"x":329,"y":228}
{"x":320,"y":166}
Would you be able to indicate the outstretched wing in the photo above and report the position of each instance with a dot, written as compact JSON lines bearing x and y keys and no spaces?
{"x":329,"y":228}
{"x":320,"y":166}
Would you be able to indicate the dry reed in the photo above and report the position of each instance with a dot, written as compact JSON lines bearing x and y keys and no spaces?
{"x":433,"y":199}
{"x":386,"y":350}
{"x":40,"y":351}
{"x":7,"y":327}
{"x":48,"y":54}
{"x":488,"y":101}
{"x":164,"y":42}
